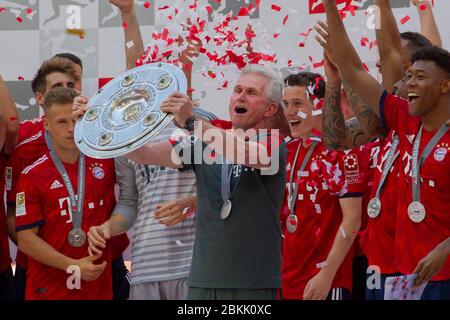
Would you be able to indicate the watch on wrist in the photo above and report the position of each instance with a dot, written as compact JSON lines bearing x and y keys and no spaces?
{"x":191,"y":123}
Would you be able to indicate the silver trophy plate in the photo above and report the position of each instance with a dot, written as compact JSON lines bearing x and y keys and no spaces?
{"x":125,"y":114}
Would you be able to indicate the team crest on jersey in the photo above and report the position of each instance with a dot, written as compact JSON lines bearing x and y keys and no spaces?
{"x":20,"y":204}
{"x":441,"y":152}
{"x":97,"y":171}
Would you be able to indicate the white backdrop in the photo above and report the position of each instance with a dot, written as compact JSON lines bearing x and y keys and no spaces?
{"x":41,"y":33}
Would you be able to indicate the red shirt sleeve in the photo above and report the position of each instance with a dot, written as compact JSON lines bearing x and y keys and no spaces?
{"x":394,"y":112}
{"x":29,"y":208}
{"x":352,"y":165}
{"x":12,"y":172}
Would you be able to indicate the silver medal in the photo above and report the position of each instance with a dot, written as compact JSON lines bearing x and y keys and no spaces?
{"x":76,"y":237}
{"x":374,"y":208}
{"x":416,"y":211}
{"x":291,"y":223}
{"x":225,"y":210}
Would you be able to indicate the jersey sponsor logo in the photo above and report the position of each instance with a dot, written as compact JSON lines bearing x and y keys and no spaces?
{"x":8,"y":178}
{"x":97,"y":171}
{"x":20,"y":204}
{"x":351,"y":168}
{"x":441,"y":152}
{"x":56,"y":184}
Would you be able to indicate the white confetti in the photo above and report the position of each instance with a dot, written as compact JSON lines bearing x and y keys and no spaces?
{"x":300,"y":197}
{"x":431,"y":183}
{"x":303,"y":173}
{"x":318,"y":208}
{"x":316,"y":113}
{"x":321,"y":265}
{"x":179,"y":243}
{"x":302,"y":115}
{"x":186,"y":210}
{"x":344,"y":235}
{"x":130,"y":44}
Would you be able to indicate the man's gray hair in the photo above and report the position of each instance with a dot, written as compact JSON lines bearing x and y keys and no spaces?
{"x":276,"y":84}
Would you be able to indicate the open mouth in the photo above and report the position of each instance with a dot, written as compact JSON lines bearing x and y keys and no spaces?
{"x":294,"y":123}
{"x":412,"y":97}
{"x":240,"y":109}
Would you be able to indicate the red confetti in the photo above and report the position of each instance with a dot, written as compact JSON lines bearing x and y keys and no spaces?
{"x":316,"y":132}
{"x":243,"y":12}
{"x":147,"y":5}
{"x":276,"y":35}
{"x":276,"y":8}
{"x":423,"y":7}
{"x":3,"y":9}
{"x":289,"y":63}
{"x":19,"y":19}
{"x":29,"y":11}
{"x":365,"y":67}
{"x":124,"y":25}
{"x":318,"y":64}
{"x":20,"y":78}
{"x":285,"y":20}
{"x":405,"y":19}
{"x":364,"y":41}
{"x":190,"y":90}
{"x":209,"y":9}
{"x":163,"y":8}
{"x":257,"y":2}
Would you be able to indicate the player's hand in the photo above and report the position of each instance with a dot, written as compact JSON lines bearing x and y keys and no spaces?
{"x":417,"y":3}
{"x":97,"y":237}
{"x":79,"y":107}
{"x":430,"y":265}
{"x":318,"y":287}
{"x":172,"y":212}
{"x":323,"y":37}
{"x":180,"y":105}
{"x":123,"y":5}
{"x":88,"y":270}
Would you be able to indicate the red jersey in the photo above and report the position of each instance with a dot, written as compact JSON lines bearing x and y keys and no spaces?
{"x":29,"y":128}
{"x":319,"y":215}
{"x":378,"y":239}
{"x":415,"y":240}
{"x":370,"y":154}
{"x":42,"y":200}
{"x":5,"y":257}
{"x":25,"y":154}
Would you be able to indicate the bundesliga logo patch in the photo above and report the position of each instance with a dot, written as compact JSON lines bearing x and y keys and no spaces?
{"x":97,"y":171}
{"x":20,"y":204}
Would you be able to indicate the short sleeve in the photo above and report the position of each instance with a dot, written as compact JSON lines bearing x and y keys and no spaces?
{"x":29,"y":209}
{"x":12,"y":174}
{"x":393,"y":111}
{"x":128,"y":195}
{"x":353,"y":164}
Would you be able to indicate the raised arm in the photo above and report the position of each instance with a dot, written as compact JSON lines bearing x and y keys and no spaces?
{"x":389,"y":46}
{"x":9,"y":118}
{"x":428,"y":26}
{"x":339,"y":134}
{"x":348,"y":61}
{"x":134,"y":46}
